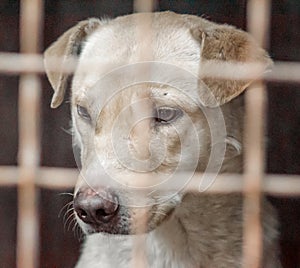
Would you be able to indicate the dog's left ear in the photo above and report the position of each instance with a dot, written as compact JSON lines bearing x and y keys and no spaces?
{"x":226,"y":43}
{"x":67,"y":46}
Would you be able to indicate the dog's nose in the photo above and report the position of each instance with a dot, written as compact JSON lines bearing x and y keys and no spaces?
{"x":96,"y":207}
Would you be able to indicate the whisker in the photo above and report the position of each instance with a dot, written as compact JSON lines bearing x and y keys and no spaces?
{"x":69,"y":218}
{"x":69,"y":131}
{"x":69,"y":211}
{"x":66,"y":193}
{"x":161,"y":213}
{"x":72,"y":222}
{"x":75,"y":225}
{"x":78,"y":232}
{"x":66,"y":206}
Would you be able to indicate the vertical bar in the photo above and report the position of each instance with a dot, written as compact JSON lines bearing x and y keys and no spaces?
{"x":254,"y":167}
{"x":258,"y":25}
{"x":29,"y":138}
{"x":144,"y":36}
{"x":144,"y":5}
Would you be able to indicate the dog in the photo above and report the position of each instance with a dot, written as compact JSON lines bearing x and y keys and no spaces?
{"x":144,"y":117}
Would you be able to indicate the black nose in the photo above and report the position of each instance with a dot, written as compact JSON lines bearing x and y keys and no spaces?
{"x":96,"y":207}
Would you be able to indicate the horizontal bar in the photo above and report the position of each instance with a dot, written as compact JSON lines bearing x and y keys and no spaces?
{"x":62,"y":178}
{"x":65,"y":178}
{"x":13,"y":63}
{"x":48,"y":177}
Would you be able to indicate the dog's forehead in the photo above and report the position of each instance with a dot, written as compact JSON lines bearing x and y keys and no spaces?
{"x":137,"y":38}
{"x":165,"y":36}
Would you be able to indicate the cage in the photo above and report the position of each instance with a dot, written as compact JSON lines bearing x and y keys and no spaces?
{"x":37,"y":164}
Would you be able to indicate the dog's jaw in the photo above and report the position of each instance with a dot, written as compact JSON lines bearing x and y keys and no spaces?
{"x":135,"y":220}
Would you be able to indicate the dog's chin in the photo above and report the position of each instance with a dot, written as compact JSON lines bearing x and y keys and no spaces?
{"x":90,"y":229}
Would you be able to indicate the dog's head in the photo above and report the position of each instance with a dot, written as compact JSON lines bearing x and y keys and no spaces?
{"x":142,"y":112}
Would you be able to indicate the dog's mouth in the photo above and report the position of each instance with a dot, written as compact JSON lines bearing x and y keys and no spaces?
{"x":127,"y":225}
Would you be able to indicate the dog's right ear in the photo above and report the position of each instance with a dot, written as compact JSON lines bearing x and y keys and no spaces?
{"x":67,"y":46}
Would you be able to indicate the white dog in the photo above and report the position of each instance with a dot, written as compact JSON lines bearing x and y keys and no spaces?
{"x":141,"y":115}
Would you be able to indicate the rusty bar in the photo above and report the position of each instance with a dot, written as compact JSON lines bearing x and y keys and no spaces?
{"x":27,"y":247}
{"x":144,"y":37}
{"x":29,"y":139}
{"x":65,"y":178}
{"x":13,"y":63}
{"x":28,"y":226}
{"x":254,"y":167}
{"x":258,"y":25}
{"x":47,"y":177}
{"x":144,"y":5}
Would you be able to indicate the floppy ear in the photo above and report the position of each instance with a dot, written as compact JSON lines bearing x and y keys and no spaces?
{"x":226,"y":43}
{"x":67,"y":46}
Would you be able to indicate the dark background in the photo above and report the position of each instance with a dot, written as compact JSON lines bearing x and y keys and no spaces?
{"x":59,"y":246}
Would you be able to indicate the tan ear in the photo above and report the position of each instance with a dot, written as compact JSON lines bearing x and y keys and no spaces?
{"x":226,"y":43}
{"x":67,"y":46}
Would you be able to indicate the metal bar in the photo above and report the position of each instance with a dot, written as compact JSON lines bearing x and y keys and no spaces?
{"x":144,"y":5}
{"x":29,"y":139}
{"x":46,"y":177}
{"x":14,"y":63}
{"x":65,"y":178}
{"x":254,"y":168}
{"x":258,"y":25}
{"x":144,"y":36}
{"x":57,"y":178}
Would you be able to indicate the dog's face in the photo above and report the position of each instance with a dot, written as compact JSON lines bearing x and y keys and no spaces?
{"x":141,"y":114}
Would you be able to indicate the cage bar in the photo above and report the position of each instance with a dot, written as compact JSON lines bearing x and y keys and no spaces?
{"x":65,"y":178}
{"x":258,"y":24}
{"x":144,"y":5}
{"x":29,"y":139}
{"x":13,"y":63}
{"x":143,"y":34}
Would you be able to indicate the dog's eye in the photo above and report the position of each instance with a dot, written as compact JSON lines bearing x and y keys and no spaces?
{"x":83,"y":113}
{"x":166,"y":115}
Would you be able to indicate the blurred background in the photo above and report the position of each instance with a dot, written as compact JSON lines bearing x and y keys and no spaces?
{"x":59,"y":247}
